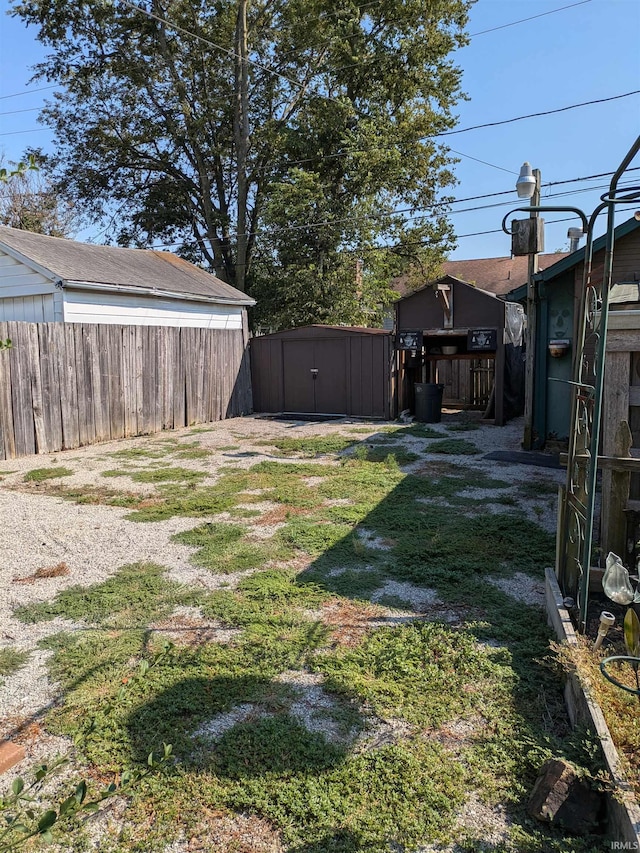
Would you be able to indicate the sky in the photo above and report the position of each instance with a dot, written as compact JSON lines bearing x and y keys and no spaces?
{"x":570,"y":52}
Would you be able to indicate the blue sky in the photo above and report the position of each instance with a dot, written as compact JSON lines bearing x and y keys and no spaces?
{"x":577,"y":54}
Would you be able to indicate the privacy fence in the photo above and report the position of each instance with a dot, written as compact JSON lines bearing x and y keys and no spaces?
{"x":63,"y":385}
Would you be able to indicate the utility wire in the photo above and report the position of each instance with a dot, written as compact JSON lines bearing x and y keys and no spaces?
{"x":28,"y":92}
{"x":524,"y":20}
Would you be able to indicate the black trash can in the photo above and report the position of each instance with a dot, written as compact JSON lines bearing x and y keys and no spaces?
{"x":428,"y":402}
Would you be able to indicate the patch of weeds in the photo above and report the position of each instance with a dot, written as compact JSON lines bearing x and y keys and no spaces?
{"x":310,"y":447}
{"x":134,"y":453}
{"x":312,"y":537}
{"x":229,"y":447}
{"x":37,"y":475}
{"x":537,"y":488}
{"x":168,"y":474}
{"x":134,"y":596}
{"x":11,"y":660}
{"x":419,"y":430}
{"x":199,"y":430}
{"x":118,"y":472}
{"x":192,"y":453}
{"x":454,"y":447}
{"x":223,"y":548}
{"x":388,"y":453}
{"x":506,"y":500}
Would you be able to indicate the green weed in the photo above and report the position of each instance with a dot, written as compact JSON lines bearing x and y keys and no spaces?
{"x":134,"y":596}
{"x":222,"y":548}
{"x":37,"y":475}
{"x":453,"y":446}
{"x":11,"y":660}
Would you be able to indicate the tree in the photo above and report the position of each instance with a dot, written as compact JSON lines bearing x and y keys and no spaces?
{"x":272,"y":137}
{"x":30,"y":201}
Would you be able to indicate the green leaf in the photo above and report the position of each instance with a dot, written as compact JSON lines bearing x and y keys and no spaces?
{"x":68,"y":804}
{"x":90,"y":807}
{"x":632,"y":633}
{"x":151,"y":759}
{"x":81,"y":792}
{"x":17,"y":786}
{"x":47,"y":820}
{"x":47,"y":837}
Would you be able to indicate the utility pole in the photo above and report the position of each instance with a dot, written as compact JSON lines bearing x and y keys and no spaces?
{"x":527,"y":440}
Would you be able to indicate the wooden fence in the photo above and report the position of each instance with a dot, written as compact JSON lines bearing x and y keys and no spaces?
{"x":63,"y":385}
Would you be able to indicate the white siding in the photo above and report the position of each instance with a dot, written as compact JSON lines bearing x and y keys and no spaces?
{"x":85,"y":306}
{"x":30,"y":309}
{"x":18,"y":280}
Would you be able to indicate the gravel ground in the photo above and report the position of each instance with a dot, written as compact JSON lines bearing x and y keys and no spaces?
{"x":93,"y":541}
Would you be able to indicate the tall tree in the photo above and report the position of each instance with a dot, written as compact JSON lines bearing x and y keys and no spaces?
{"x":258,"y":136}
{"x":30,"y":201}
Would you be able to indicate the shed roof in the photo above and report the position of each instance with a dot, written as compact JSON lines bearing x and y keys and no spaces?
{"x":147,"y":269}
{"x":321,"y":329}
{"x":494,"y":275}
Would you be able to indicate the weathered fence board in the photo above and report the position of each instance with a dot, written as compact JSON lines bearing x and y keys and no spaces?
{"x":64,"y":385}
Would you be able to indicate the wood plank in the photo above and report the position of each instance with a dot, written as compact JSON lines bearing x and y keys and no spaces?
{"x":622,"y":341}
{"x":86,"y":416}
{"x":7,"y":436}
{"x":128,"y":381}
{"x":114,"y":368}
{"x":614,"y":523}
{"x":607,"y":463}
{"x":159,"y":357}
{"x":188,"y":355}
{"x":179,"y":394}
{"x":138,"y":372}
{"x":21,"y":390}
{"x":49,"y":371}
{"x":32,"y":347}
{"x":68,"y":378}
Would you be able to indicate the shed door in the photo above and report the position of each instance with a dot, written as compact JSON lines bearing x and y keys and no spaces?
{"x":314,"y":376}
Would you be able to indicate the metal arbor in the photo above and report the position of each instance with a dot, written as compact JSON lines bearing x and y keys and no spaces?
{"x":577,"y":503}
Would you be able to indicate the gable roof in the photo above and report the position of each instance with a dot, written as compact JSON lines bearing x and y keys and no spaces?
{"x":69,"y":262}
{"x":577,"y":257}
{"x":497,"y":275}
{"x":447,"y":279}
{"x":494,"y":275}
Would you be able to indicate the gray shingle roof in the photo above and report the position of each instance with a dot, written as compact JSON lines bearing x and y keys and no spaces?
{"x":110,"y":265}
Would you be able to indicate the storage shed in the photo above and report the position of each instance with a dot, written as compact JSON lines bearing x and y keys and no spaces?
{"x":467,"y":339}
{"x":323,"y":370}
{"x":49,"y":279}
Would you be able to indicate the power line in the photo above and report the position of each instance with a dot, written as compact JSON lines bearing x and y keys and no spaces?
{"x":477,"y":160}
{"x":15,"y":112}
{"x":532,"y":18}
{"x":16,"y":132}
{"x":28,"y":92}
{"x":537,"y":115}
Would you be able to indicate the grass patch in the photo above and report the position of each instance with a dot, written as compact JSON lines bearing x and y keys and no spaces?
{"x":537,"y":489}
{"x":135,"y":453}
{"x":402,"y":690}
{"x":11,"y":660}
{"x":391,"y":454}
{"x":467,"y":426}
{"x":454,"y":447}
{"x":168,"y":474}
{"x":137,"y":594}
{"x":38,"y":475}
{"x":310,"y":447}
{"x":223,"y":548}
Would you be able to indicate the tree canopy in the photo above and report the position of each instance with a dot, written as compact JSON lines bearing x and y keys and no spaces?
{"x":288,"y":145}
{"x":30,"y":201}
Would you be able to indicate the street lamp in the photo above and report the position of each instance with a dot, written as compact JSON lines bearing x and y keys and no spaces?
{"x":528,"y":186}
{"x":526,"y":183}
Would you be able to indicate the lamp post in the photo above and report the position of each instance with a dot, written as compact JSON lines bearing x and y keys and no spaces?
{"x":528,"y":186}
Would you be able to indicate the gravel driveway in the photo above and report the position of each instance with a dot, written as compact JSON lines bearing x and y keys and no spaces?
{"x":92,"y":541}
